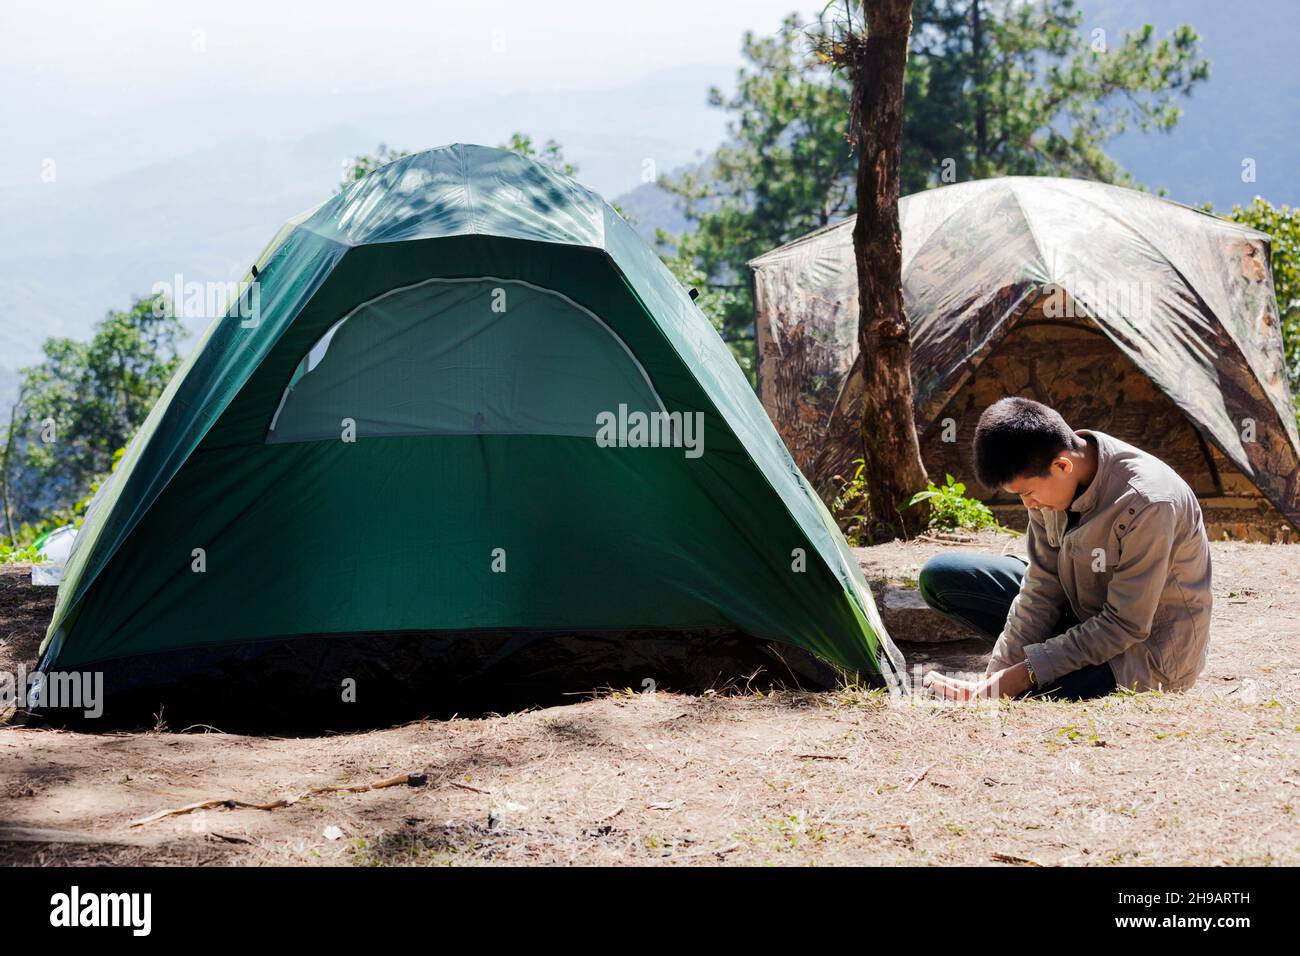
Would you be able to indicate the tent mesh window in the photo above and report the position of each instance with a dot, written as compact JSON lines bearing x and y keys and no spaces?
{"x":481,"y":356}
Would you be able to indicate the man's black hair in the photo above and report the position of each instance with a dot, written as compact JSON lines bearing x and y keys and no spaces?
{"x":1018,"y":438}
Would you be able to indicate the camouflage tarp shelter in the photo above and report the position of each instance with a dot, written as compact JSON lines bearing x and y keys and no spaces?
{"x":1131,"y":314}
{"x":475,"y":430}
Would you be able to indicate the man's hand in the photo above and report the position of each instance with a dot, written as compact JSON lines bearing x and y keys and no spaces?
{"x":1008,"y":682}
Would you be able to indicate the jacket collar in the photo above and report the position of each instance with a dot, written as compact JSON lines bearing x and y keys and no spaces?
{"x":1105,"y":453}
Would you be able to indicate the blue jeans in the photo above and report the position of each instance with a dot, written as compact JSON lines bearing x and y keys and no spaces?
{"x":977,"y":590}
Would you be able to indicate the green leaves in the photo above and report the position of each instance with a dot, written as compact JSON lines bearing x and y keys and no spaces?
{"x":359,"y":167}
{"x":550,"y":153}
{"x":1283,"y":224}
{"x":85,"y":401}
{"x":992,"y":88}
{"x":785,"y":170}
{"x":26,"y":554}
{"x":1049,"y":95}
{"x":850,"y":506}
{"x":950,"y":509}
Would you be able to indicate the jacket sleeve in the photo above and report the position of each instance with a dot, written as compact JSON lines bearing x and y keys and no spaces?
{"x":1037,"y":607}
{"x":1136,"y":583}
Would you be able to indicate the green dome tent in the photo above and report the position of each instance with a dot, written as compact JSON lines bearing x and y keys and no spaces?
{"x":460,"y":406}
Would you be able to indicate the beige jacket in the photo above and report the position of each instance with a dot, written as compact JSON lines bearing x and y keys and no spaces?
{"x":1135,"y":569}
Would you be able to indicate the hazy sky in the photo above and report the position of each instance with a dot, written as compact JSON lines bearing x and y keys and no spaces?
{"x":128,"y":56}
{"x":142,"y":137}
{"x":184,"y":133}
{"x":109,"y":87}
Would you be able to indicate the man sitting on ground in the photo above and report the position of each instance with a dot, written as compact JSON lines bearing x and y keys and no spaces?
{"x":1116,"y":591}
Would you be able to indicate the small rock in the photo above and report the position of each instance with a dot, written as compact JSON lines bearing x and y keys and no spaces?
{"x":908,"y":618}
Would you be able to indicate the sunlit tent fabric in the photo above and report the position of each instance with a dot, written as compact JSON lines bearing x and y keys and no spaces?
{"x":1135,"y":315}
{"x":406,"y":441}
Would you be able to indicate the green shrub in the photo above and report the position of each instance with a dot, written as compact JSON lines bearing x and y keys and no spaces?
{"x":21,"y":555}
{"x":951,"y":510}
{"x":849,"y":505}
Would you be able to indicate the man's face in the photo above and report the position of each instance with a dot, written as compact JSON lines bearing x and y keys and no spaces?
{"x":1051,"y":492}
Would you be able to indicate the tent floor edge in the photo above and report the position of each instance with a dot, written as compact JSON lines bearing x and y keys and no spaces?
{"x":323,"y":683}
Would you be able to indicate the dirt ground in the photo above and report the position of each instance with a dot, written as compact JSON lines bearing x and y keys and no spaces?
{"x":1209,"y":777}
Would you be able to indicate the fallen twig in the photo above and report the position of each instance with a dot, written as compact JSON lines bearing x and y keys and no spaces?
{"x":465,"y":786}
{"x":917,"y":778}
{"x":1016,"y":860}
{"x":402,"y":779}
{"x":939,"y":537}
{"x":705,"y":851}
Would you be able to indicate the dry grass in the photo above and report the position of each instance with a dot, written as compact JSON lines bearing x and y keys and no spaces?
{"x":1211,"y":777}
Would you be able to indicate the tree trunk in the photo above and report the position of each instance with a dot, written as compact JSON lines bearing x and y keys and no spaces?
{"x":893,"y":467}
{"x":4,"y":471}
{"x":977,"y":71}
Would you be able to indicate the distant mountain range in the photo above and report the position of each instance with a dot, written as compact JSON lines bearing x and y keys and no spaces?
{"x":130,"y":208}
{"x":107,"y":229}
